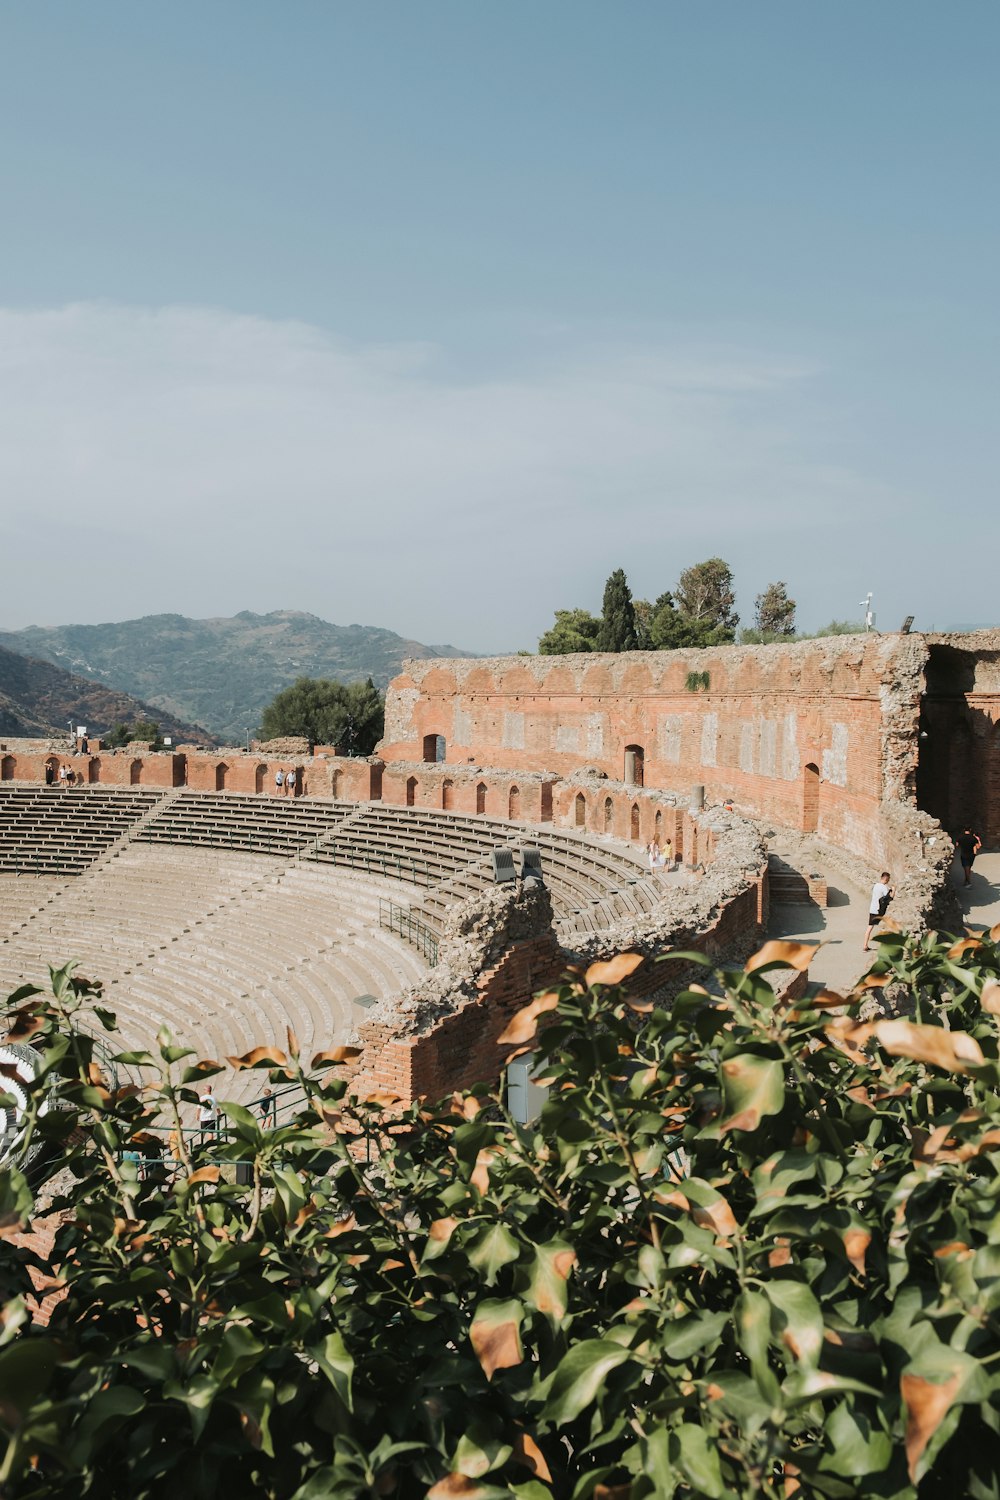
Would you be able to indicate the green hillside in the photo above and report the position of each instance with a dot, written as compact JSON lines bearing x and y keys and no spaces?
{"x":40,"y":699}
{"x":220,"y":673}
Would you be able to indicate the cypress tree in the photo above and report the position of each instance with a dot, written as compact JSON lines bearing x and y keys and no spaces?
{"x":618,"y":629}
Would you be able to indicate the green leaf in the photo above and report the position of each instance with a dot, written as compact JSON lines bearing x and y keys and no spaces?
{"x":685,"y":1336}
{"x":239,"y":1350}
{"x":799,"y":1320}
{"x":490,"y":1251}
{"x":548,"y":1282}
{"x":480,"y":1451}
{"x":337,"y":1365}
{"x":699,"y":1459}
{"x":580,"y":1375}
{"x":753,"y":1087}
{"x":25,"y":1371}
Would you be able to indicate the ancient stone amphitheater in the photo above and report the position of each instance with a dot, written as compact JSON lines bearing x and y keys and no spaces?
{"x":366,"y":909}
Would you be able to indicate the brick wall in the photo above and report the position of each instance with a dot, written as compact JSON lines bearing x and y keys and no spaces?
{"x":817,"y":732}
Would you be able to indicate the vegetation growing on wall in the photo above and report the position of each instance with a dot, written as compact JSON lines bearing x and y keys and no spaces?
{"x":748,"y":1249}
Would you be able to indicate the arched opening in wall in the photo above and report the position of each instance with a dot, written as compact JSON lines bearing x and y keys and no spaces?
{"x":580,"y":810}
{"x":545,"y":810}
{"x":135,"y":773}
{"x":634,"y":760}
{"x":259,"y":778}
{"x":335,"y":784}
{"x":375,"y":784}
{"x":7,"y":768}
{"x":481,"y":797}
{"x":94,"y":771}
{"x":634,"y":821}
{"x":411,"y":791}
{"x":221,"y":772}
{"x":435,"y":747}
{"x":609,"y":815}
{"x":514,"y":803}
{"x":447,"y":796}
{"x":810,"y":798}
{"x":658,"y":827}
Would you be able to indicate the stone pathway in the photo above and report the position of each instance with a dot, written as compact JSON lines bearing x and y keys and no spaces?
{"x":981,"y":900}
{"x":841,"y":926}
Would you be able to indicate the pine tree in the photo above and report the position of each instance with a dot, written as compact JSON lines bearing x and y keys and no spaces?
{"x":774,"y":612}
{"x":618,"y":629}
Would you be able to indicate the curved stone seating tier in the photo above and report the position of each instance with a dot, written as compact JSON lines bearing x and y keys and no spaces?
{"x":227,"y":917}
{"x":266,"y":825}
{"x":225,"y":948}
{"x":63,"y":829}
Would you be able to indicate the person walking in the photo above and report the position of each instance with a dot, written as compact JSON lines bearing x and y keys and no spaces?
{"x":268,"y":1110}
{"x":969,"y":845}
{"x":279,"y":782}
{"x":208,"y":1113}
{"x":290,"y":782}
{"x":878,"y":905}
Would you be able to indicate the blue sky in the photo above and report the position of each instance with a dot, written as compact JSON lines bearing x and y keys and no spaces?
{"x":430,"y":314}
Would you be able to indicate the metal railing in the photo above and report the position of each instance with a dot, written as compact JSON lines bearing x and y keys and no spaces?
{"x":398,"y":919}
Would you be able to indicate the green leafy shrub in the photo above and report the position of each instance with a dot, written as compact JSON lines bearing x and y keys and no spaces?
{"x":748,"y":1249}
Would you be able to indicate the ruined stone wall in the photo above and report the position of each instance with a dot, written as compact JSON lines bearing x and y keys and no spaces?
{"x":813,"y":735}
{"x":495,"y":953}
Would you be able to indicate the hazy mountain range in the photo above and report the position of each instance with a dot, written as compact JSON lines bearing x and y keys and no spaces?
{"x":219,"y":673}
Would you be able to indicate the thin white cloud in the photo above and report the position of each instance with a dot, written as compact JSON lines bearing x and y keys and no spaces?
{"x":194,"y":460}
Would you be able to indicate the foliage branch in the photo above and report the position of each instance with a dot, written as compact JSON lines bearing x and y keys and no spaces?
{"x":750,"y":1248}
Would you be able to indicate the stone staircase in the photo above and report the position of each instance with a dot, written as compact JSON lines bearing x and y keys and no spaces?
{"x":792,"y":886}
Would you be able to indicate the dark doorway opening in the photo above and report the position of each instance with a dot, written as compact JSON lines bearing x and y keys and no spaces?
{"x":947,"y":779}
{"x":435,"y":747}
{"x":634,"y":759}
{"x":810,"y":798}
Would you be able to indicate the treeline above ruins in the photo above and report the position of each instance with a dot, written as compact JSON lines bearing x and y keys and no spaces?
{"x":700,"y":610}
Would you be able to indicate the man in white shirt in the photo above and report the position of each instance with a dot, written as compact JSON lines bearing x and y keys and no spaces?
{"x":208,"y":1112}
{"x":882,"y":894}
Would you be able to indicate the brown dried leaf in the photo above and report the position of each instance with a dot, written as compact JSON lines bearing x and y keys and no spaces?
{"x":497,"y":1345}
{"x":850,"y":1037}
{"x":780,"y":1255}
{"x":523,"y":1026}
{"x":856,"y":1242}
{"x":480,"y":1177}
{"x":292,"y":1042}
{"x":990,"y":998}
{"x":442,"y":1230}
{"x":827,"y":1000}
{"x":335,"y":1055}
{"x":26,"y":1024}
{"x":954,"y":1051}
{"x":718,"y":1216}
{"x":926,"y":1407}
{"x":457,"y":1486}
{"x":383,"y":1099}
{"x":775,"y":951}
{"x":872,"y":982}
{"x":258,"y":1055}
{"x":527,"y":1452}
{"x":613,"y":970}
{"x":205,"y":1174}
